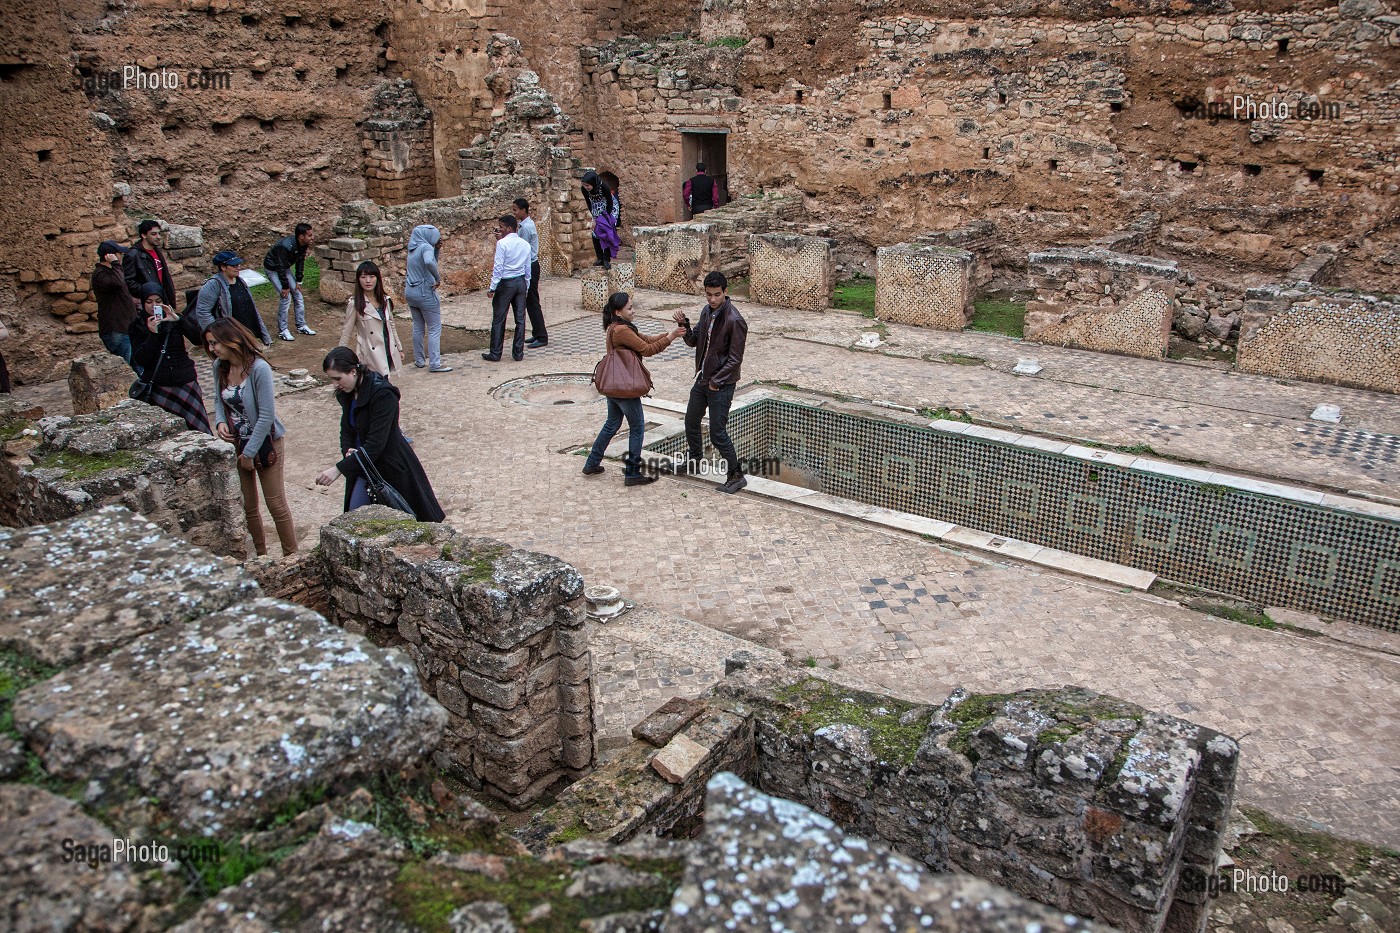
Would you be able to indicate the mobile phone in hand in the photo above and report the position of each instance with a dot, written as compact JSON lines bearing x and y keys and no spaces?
{"x":158,"y":313}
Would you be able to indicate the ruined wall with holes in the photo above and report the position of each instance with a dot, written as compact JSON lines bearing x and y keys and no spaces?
{"x":1325,"y":336}
{"x":790,"y":271}
{"x":930,"y":286}
{"x":1096,"y":299}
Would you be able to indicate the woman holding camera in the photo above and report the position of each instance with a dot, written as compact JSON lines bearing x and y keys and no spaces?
{"x":369,"y":424}
{"x":158,"y":351}
{"x":245,"y":415}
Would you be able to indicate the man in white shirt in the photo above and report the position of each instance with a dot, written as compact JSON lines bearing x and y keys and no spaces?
{"x":510,"y":282}
{"x":539,"y":336}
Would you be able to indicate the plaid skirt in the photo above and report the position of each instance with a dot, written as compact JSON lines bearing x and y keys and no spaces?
{"x":186,"y":401}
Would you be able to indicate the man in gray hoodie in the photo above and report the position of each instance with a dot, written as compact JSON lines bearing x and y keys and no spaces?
{"x":420,"y":288}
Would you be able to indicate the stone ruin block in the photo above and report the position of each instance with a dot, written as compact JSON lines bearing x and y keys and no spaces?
{"x":929,"y":286}
{"x":622,"y":277}
{"x":1095,"y":299}
{"x":98,"y":381}
{"x":673,"y":258}
{"x":978,"y":237}
{"x":497,"y":635}
{"x":790,"y":271}
{"x":595,"y":290}
{"x":1324,"y":336}
{"x":397,"y":140}
{"x":138,"y":456}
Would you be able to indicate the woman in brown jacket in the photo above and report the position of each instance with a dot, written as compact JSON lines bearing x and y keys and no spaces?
{"x":369,"y":324}
{"x":617,"y":322}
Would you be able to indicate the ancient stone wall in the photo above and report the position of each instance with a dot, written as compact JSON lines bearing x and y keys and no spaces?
{"x":790,"y":271}
{"x":673,"y":258}
{"x":134,"y":455}
{"x":1322,"y":335}
{"x":497,"y":635}
{"x":930,"y":286}
{"x":1076,"y":800}
{"x":398,"y":146}
{"x":1099,"y":300}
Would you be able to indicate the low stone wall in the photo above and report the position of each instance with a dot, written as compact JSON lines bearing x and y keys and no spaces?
{"x":1325,"y":336}
{"x":497,"y":635}
{"x":1079,"y":801}
{"x":98,"y":381}
{"x":790,"y":271}
{"x":1095,"y":299}
{"x":674,"y":258}
{"x":135,"y":455}
{"x":930,"y":286}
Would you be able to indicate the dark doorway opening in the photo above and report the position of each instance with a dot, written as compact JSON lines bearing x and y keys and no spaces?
{"x":710,"y":147}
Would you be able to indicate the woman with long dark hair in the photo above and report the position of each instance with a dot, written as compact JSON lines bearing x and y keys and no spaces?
{"x":621,"y":332}
{"x":369,"y":423}
{"x":369,"y":323}
{"x":158,"y":350}
{"x":607,"y":212}
{"x":245,"y":415}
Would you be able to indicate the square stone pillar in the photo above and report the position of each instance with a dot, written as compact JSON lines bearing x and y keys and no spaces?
{"x":929,"y":286}
{"x":790,"y":271}
{"x":673,"y":258}
{"x":1096,"y":299}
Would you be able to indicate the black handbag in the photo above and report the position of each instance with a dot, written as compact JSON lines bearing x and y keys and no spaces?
{"x":380,"y":492}
{"x":144,"y":389}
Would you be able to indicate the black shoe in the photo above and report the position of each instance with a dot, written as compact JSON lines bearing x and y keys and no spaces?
{"x":490,"y":359}
{"x":536,"y":344}
{"x":592,"y":471}
{"x":519,"y":359}
{"x":733,"y":484}
{"x":638,"y":480}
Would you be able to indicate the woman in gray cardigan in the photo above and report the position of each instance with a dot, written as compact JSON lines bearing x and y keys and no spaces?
{"x":245,"y":415}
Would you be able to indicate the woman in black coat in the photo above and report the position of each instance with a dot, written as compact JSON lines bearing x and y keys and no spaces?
{"x":155,"y":331}
{"x":369,"y":422}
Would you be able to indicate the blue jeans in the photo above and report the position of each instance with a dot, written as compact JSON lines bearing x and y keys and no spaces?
{"x":119,"y":345}
{"x":427,"y":321}
{"x":284,"y":302}
{"x":618,"y":408}
{"x":359,"y":494}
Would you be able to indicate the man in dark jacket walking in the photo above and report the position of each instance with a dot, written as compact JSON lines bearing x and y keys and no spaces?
{"x":701,"y":191}
{"x":146,"y":262}
{"x":115,"y":306}
{"x":285,"y":265}
{"x":719,"y":352}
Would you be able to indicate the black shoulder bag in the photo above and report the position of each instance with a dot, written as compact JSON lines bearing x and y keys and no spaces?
{"x":144,"y":389}
{"x":380,"y":492}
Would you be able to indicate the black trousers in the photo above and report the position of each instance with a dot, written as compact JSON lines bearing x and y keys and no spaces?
{"x":532,"y":304}
{"x":510,"y":293}
{"x":603,"y":255}
{"x":717,"y":404}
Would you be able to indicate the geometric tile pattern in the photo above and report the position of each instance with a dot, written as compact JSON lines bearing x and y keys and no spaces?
{"x":672,"y":258}
{"x":790,"y":271}
{"x":1358,"y":446}
{"x":927,"y":286}
{"x":585,"y":337}
{"x":1350,"y":342}
{"x":1138,"y":328}
{"x":1274,"y":551}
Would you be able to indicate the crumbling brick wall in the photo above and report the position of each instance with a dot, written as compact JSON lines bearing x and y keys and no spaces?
{"x":1323,"y":335}
{"x":1099,"y":300}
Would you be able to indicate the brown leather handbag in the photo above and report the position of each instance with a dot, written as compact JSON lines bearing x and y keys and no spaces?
{"x":620,"y":373}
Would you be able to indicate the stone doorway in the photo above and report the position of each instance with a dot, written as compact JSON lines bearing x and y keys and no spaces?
{"x":711,"y":147}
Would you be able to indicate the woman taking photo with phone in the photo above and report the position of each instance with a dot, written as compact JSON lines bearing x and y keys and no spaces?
{"x":369,"y":323}
{"x":158,"y":352}
{"x":245,"y":416}
{"x":369,"y":425}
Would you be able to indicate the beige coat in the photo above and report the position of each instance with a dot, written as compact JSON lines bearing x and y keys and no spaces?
{"x":368,"y":338}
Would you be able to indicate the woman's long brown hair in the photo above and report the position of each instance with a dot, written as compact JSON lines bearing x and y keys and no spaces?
{"x":236,"y":337}
{"x":380,"y":301}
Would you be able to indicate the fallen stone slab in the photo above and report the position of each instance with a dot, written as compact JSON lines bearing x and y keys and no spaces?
{"x":681,"y":756}
{"x":662,"y":723}
{"x":227,"y":717}
{"x":768,"y":863}
{"x":39,"y":890}
{"x":341,"y":880}
{"x":79,"y":588}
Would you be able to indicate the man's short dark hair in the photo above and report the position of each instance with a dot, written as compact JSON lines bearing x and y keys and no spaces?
{"x":146,"y":226}
{"x":699,"y":166}
{"x":523,"y":204}
{"x":301,"y":228}
{"x":509,"y":222}
{"x":716,"y":280}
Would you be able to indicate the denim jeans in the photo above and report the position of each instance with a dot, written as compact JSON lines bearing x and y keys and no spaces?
{"x":118,"y":345}
{"x":618,"y":408}
{"x":717,"y":403}
{"x":427,"y":321}
{"x":359,"y":494}
{"x":284,"y":302}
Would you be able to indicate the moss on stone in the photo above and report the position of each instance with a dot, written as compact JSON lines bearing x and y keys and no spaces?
{"x":12,"y":429}
{"x":970,"y":715}
{"x":821,"y":704}
{"x":379,"y":527}
{"x":479,"y":565}
{"x":79,"y":466}
{"x":17,"y":671}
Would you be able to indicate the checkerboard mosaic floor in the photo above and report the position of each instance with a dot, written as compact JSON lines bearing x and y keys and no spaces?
{"x":584,"y":337}
{"x":1360,"y":447}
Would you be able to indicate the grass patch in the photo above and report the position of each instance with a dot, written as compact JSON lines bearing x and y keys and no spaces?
{"x":12,"y":429}
{"x":823,"y":704}
{"x":945,"y":414}
{"x":85,"y":466}
{"x":310,"y":282}
{"x":727,"y":42}
{"x":1234,"y":614}
{"x":855,"y":294}
{"x":999,"y":316}
{"x":17,"y":671}
{"x":961,"y":359}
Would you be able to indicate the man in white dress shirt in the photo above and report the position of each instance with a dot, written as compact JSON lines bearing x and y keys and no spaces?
{"x":510,"y":282}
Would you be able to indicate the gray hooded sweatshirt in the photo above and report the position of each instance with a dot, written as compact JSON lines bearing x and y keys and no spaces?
{"x":422,"y":266}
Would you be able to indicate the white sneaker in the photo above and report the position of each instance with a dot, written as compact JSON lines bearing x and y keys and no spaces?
{"x":286,"y":335}
{"x":302,"y":328}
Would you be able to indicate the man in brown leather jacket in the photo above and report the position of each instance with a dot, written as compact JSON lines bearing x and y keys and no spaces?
{"x":719,"y":352}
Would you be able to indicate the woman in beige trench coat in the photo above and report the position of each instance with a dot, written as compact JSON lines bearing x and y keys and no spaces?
{"x":369,"y":323}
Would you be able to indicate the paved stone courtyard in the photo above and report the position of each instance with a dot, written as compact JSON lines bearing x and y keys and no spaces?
{"x":1316,"y":717}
